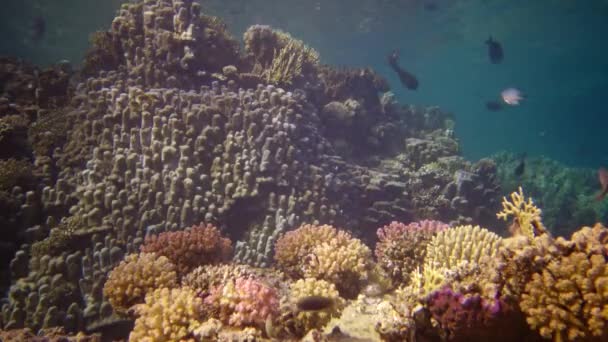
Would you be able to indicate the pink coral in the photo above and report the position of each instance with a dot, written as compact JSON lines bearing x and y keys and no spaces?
{"x":188,"y":249}
{"x":402,"y":247}
{"x":245,"y":301}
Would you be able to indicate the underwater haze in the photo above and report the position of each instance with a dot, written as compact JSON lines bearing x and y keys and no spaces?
{"x":554,"y":52}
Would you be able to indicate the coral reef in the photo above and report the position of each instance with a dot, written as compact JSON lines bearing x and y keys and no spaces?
{"x":187,"y":249}
{"x":526,"y":216}
{"x":169,"y":127}
{"x":134,"y":277}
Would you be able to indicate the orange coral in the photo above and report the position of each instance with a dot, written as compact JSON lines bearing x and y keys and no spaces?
{"x":187,"y":249}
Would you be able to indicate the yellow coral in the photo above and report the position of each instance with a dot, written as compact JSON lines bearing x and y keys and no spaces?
{"x":134,"y":277}
{"x":168,"y":315}
{"x":313,"y":287}
{"x":526,"y":215}
{"x":333,"y":259}
{"x":289,"y":62}
{"x":468,"y":243}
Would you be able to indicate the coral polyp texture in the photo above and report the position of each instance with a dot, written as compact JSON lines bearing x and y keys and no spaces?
{"x":245,"y":301}
{"x":568,"y":299}
{"x":526,"y":215}
{"x":401,"y":248}
{"x":135,"y":276}
{"x":187,"y":249}
{"x":167,"y":315}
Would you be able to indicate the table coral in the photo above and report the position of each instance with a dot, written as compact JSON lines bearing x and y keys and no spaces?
{"x":167,"y":315}
{"x":401,"y":248}
{"x":245,"y":301}
{"x":188,"y":249}
{"x":130,"y":281}
{"x":568,"y":299}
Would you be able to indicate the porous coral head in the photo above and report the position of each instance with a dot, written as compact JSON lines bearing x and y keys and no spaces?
{"x":130,"y":281}
{"x":401,"y":248}
{"x":168,"y":315}
{"x":568,"y":298}
{"x":245,"y":301}
{"x":187,"y":249}
{"x":292,"y":247}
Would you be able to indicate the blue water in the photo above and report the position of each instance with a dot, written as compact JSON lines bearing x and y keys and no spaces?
{"x":554,"y":52}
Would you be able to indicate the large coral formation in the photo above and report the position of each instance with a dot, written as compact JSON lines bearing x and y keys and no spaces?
{"x":401,"y":248}
{"x":168,"y":315}
{"x":188,"y":249}
{"x":172,"y":127}
{"x":568,"y":299}
{"x":134,"y":277}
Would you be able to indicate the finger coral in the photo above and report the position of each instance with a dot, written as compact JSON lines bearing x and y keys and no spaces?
{"x":130,"y":281}
{"x":463,"y":243}
{"x":204,"y":278}
{"x":526,"y":215}
{"x":401,"y":248}
{"x":188,"y":249}
{"x":167,"y":315}
{"x":568,"y":299}
{"x":245,"y":301}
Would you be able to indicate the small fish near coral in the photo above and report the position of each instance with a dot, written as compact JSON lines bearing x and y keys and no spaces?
{"x":37,"y":28}
{"x":314,"y":303}
{"x":407,"y":79}
{"x":602,"y":175}
{"x":521,"y":166}
{"x":512,"y":96}
{"x":493,"y":106}
{"x":495,"y":51}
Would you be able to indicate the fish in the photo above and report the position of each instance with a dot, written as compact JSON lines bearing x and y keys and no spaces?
{"x":430,"y":6}
{"x":495,"y":51}
{"x":407,"y":79}
{"x":512,"y":96}
{"x":493,"y":106}
{"x":602,"y":175}
{"x":37,"y":28}
{"x":314,"y":303}
{"x":521,"y":166}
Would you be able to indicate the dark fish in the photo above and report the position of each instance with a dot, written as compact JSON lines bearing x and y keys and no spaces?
{"x":521,"y":166}
{"x":494,"y":50}
{"x":38,"y":28}
{"x":314,"y":303}
{"x":408,"y":80}
{"x":493,"y":106}
{"x":602,"y":175}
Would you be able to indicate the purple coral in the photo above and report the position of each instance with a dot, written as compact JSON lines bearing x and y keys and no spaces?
{"x":471,"y":317}
{"x":245,"y":301}
{"x":402,"y":247}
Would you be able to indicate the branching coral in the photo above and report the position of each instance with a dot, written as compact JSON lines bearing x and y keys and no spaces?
{"x":137,"y":275}
{"x":568,"y":299}
{"x":204,"y":278}
{"x":14,"y":172}
{"x":167,"y":315}
{"x":463,"y":243}
{"x":401,"y":248}
{"x":188,"y":249}
{"x":281,"y":57}
{"x":245,"y":301}
{"x":526,"y":216}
